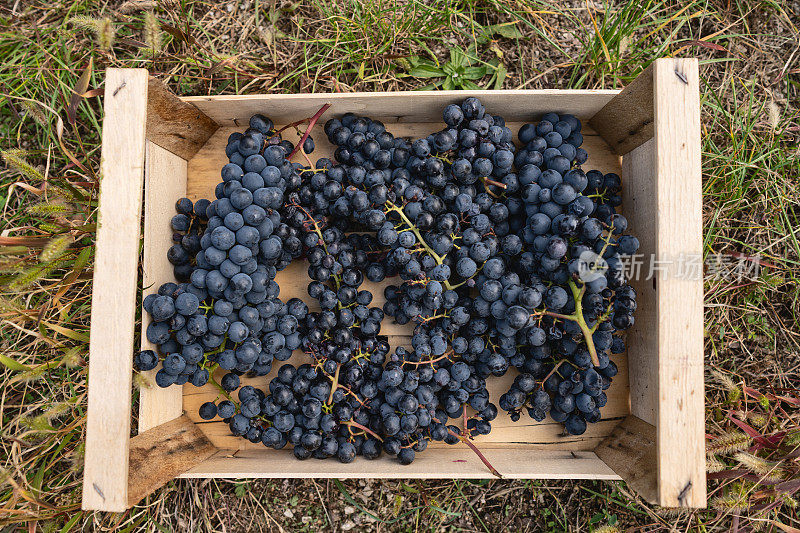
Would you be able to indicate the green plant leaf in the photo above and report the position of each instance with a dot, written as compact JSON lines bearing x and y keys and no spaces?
{"x":426,"y":71}
{"x":74,"y":520}
{"x":474,"y":73}
{"x":431,"y":86}
{"x":472,"y":86}
{"x":412,"y":60}
{"x":457,"y":56}
{"x":12,"y":364}
{"x":509,"y":30}
{"x":500,"y":76}
{"x":448,"y":84}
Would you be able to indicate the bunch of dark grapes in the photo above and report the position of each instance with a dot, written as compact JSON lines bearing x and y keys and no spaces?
{"x":226,"y":313}
{"x":188,"y":225}
{"x":571,"y":298}
{"x":500,"y":259}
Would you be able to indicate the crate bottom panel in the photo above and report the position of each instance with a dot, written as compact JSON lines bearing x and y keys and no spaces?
{"x":203,"y":175}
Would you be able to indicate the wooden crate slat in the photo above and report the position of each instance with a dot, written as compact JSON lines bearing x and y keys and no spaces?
{"x":108,"y":423}
{"x":627,"y":120}
{"x":681,"y":413}
{"x":639,"y":199}
{"x":403,"y":106}
{"x":630,"y":451}
{"x":164,"y":452}
{"x":165,"y":182}
{"x":454,"y":462}
{"x":174,"y":124}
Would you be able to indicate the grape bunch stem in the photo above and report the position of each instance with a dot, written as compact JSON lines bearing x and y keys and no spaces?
{"x":577,"y":316}
{"x":436,"y":257}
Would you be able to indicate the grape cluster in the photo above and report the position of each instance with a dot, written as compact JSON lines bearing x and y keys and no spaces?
{"x":498,"y":257}
{"x":225,"y":313}
{"x":189,"y":225}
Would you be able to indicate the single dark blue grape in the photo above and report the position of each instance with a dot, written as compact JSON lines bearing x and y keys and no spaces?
{"x":575,"y":424}
{"x":230,"y":382}
{"x":208,"y":411}
{"x":164,"y":379}
{"x":346,"y":452}
{"x":145,"y":360}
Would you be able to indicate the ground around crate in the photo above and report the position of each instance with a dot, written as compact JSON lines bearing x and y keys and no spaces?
{"x":50,"y":117}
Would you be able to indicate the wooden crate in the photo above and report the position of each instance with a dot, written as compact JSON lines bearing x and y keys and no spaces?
{"x":652,"y":432}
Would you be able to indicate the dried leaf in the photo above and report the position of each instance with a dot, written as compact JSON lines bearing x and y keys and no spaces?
{"x":80,"y":87}
{"x":178,"y":34}
{"x":72,"y":334}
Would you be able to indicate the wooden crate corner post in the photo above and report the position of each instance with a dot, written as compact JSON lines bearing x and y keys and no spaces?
{"x":654,"y":123}
{"x":142,"y":121}
{"x":105,"y":475}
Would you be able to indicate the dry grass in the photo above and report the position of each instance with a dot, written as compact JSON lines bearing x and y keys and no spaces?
{"x":750,"y":67}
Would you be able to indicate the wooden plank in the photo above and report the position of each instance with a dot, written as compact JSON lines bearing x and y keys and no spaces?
{"x":162,"y":453}
{"x":627,"y":120}
{"x":174,"y":124}
{"x":630,"y":451}
{"x":401,"y":106}
{"x":165,"y":182}
{"x":639,"y":199}
{"x":454,"y":462}
{"x":681,"y":420}
{"x":105,"y":476}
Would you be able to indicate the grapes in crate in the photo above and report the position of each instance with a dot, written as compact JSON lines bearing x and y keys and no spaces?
{"x":497,"y":257}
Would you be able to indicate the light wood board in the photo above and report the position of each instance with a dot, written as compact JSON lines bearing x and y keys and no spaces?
{"x":173,"y":124}
{"x":681,"y":413}
{"x":454,"y":462}
{"x":162,"y":453}
{"x":631,"y":452}
{"x":105,"y":475}
{"x":627,"y":120}
{"x":639,"y":198}
{"x":165,"y":182}
{"x":404,"y":106}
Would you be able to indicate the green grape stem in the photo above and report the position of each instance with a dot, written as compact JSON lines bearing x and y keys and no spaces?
{"x":577,"y":316}
{"x":399,"y":210}
{"x":217,"y":385}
